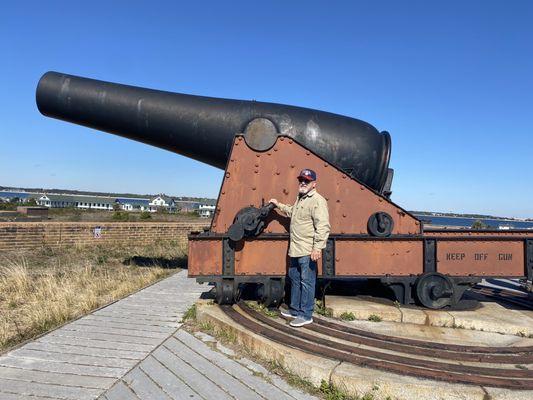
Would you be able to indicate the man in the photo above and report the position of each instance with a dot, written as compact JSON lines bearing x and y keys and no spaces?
{"x":309,"y":232}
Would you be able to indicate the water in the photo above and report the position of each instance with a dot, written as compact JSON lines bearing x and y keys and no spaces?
{"x":460,"y":222}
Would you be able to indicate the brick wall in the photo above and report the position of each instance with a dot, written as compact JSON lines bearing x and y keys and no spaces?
{"x":27,"y":235}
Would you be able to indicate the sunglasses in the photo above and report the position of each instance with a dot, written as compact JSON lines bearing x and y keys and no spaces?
{"x":303,"y":182}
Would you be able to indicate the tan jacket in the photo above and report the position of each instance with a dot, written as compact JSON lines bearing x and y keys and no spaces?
{"x":309,"y":223}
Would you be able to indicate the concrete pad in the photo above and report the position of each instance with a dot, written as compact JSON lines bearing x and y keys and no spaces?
{"x":490,"y":317}
{"x":493,"y":317}
{"x":502,"y":394}
{"x":467,"y":337}
{"x":378,"y":385}
{"x":362,"y":309}
{"x":307,"y":366}
{"x":414,"y":316}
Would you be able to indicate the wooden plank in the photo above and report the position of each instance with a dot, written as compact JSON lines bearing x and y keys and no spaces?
{"x":143,"y":386}
{"x":195,"y":379}
{"x":211,"y":371}
{"x":51,"y":366}
{"x":120,"y":392}
{"x":47,"y":390}
{"x":56,"y":378}
{"x":73,"y":358}
{"x":233,"y":368}
{"x":97,"y":344}
{"x":106,"y":337}
{"x":173,"y":386}
{"x":121,"y":324}
{"x":102,"y":328}
{"x":85,"y":351}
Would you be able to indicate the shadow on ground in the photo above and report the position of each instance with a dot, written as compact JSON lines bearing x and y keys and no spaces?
{"x":140,"y":261}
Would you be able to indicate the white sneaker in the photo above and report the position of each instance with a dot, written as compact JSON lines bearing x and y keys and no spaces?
{"x":300,"y":321}
{"x":287,"y":314}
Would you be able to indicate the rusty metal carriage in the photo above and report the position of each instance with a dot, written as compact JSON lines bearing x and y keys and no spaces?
{"x":261,"y":147}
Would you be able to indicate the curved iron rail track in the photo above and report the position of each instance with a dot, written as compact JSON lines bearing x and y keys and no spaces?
{"x":439,"y":361}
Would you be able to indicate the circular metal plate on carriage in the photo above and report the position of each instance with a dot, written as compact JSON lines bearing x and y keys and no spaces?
{"x":380,"y":224}
{"x":260,"y":134}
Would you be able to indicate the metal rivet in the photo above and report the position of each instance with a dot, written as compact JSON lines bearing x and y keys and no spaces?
{"x":253,"y":188}
{"x":269,"y":153}
{"x":307,"y":153}
{"x":292,"y":165}
{"x":380,"y":200}
{"x":282,"y":139}
{"x":338,"y":201}
{"x":223,"y":192}
{"x":258,"y":155}
{"x":337,"y":258}
{"x":256,"y":165}
{"x":275,"y":149}
{"x":227,"y":175}
{"x":277,"y":173}
{"x":290,"y":141}
{"x":362,"y":187}
{"x":256,"y":171}
{"x":343,"y":215}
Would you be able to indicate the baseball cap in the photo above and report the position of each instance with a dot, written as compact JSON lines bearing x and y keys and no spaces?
{"x":307,"y":174}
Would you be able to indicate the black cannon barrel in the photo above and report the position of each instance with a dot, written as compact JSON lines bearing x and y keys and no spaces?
{"x":203,"y":128}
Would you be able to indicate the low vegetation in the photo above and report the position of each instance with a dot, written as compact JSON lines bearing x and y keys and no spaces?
{"x":374,"y":318}
{"x":42,"y":289}
{"x":347,"y":316}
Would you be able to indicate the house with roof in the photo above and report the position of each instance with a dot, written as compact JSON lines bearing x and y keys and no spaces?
{"x":162,"y":201}
{"x":135,"y":204}
{"x":77,"y":201}
{"x":206,"y":210}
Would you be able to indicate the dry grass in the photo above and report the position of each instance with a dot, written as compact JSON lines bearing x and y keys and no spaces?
{"x":42,"y":289}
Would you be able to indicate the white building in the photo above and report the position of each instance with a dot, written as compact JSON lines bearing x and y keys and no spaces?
{"x":206,"y":210}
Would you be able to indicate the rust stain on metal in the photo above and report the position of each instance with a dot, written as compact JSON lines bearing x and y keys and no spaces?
{"x":205,"y":257}
{"x":378,"y":257}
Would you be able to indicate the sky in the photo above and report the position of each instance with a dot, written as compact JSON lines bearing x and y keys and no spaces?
{"x":452,"y":81}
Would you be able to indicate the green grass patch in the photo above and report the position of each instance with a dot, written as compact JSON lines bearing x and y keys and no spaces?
{"x":348,"y":316}
{"x":374,"y":318}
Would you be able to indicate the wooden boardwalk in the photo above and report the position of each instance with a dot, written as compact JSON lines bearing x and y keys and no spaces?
{"x":134,"y":349}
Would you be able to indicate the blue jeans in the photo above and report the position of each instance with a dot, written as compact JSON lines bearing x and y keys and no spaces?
{"x":302,"y":274}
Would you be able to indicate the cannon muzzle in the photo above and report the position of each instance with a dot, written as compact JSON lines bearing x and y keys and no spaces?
{"x":203,"y":128}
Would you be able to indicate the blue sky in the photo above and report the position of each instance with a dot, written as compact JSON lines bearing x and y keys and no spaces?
{"x":452,"y":81}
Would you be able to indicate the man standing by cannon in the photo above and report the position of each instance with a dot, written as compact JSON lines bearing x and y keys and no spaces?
{"x":309,"y":231}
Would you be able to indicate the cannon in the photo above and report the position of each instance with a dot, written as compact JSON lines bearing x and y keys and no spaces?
{"x":203,"y":128}
{"x":261,"y":147}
